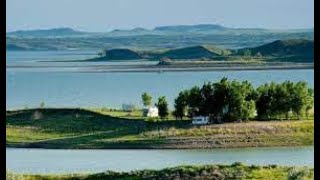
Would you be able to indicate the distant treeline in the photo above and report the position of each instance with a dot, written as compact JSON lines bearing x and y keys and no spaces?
{"x":234,"y":100}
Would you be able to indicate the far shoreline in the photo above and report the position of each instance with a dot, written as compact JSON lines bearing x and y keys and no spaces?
{"x":183,"y":67}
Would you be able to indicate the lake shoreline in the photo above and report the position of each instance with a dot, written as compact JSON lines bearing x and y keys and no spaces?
{"x":139,"y":147}
{"x":150,"y":68}
{"x":176,"y":67}
{"x":236,"y":170}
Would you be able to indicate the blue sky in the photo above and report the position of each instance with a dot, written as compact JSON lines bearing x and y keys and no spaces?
{"x":105,"y":15}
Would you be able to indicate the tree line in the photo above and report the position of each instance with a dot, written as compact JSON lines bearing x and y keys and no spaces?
{"x":234,"y":100}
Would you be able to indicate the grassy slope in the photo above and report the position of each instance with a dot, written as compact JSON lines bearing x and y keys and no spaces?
{"x":234,"y":171}
{"x":75,"y":128}
{"x":292,"y":50}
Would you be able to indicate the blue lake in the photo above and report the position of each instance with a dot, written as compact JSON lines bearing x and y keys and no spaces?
{"x":69,"y":161}
{"x":113,"y":89}
{"x":68,"y":88}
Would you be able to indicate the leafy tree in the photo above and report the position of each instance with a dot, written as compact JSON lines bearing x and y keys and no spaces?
{"x":299,"y":98}
{"x":279,"y":99}
{"x":240,"y":101}
{"x":194,"y":101}
{"x":281,"y":104}
{"x":146,"y":99}
{"x":264,"y":102}
{"x":163,"y":107}
{"x":309,"y":102}
{"x":207,"y":107}
{"x":221,"y":90}
{"x":180,"y":105}
{"x":249,"y":109}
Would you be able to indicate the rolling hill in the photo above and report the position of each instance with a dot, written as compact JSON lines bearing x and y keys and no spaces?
{"x":295,"y":50}
{"x":193,"y":52}
{"x":163,"y":37}
{"x":190,"y":28}
{"x":41,"y":33}
{"x":118,"y":54}
{"x":302,"y":49}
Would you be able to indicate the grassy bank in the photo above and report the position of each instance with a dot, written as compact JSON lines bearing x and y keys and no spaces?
{"x":78,"y":128}
{"x":234,"y":171}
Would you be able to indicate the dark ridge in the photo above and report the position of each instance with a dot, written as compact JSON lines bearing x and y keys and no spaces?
{"x":199,"y":27}
{"x":193,"y":52}
{"x":300,"y":48}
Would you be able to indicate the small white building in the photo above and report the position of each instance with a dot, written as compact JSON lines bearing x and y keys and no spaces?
{"x":200,"y":120}
{"x":151,"y":112}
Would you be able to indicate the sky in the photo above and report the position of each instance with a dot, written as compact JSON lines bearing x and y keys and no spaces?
{"x":106,"y":15}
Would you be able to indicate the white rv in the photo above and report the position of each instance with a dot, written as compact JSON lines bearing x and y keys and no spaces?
{"x":151,"y":112}
{"x":200,"y":120}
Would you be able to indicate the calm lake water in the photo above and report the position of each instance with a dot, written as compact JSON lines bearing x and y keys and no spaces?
{"x":64,"y":87}
{"x":68,"y":161}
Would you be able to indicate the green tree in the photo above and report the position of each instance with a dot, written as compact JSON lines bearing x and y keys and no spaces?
{"x":249,"y":109}
{"x":146,"y":99}
{"x":264,"y":101}
{"x":207,"y":107}
{"x":299,"y":98}
{"x":240,"y":101}
{"x":194,"y":101}
{"x":180,"y":105}
{"x":162,"y":107}
{"x":309,"y":102}
{"x":221,"y":93}
{"x":282,"y":103}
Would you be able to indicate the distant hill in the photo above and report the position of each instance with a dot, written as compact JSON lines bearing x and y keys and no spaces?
{"x":295,"y":50}
{"x":194,"y":52}
{"x":191,"y":28}
{"x":300,"y":48}
{"x":163,"y":37}
{"x":55,"y":32}
{"x":119,"y":54}
{"x":161,"y":30}
{"x":13,"y":47}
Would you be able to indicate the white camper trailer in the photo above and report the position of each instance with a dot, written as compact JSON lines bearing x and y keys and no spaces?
{"x":200,"y":120}
{"x":151,"y":112}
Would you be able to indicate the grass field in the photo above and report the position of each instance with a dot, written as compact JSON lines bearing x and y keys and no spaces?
{"x":96,"y":128}
{"x":234,"y":171}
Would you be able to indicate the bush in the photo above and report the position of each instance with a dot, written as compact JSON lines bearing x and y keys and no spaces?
{"x":299,"y":173}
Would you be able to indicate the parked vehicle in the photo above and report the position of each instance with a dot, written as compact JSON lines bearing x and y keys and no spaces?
{"x":200,"y":120}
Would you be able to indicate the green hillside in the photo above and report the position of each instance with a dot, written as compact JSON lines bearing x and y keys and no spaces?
{"x":194,"y":52}
{"x":301,"y":48}
{"x":291,"y":50}
{"x":119,"y":54}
